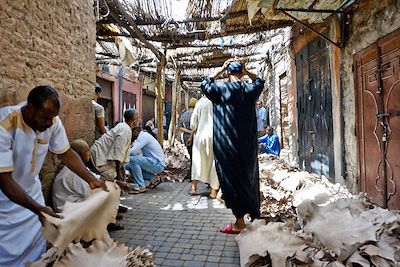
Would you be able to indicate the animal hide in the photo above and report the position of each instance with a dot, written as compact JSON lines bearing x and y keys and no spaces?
{"x":99,"y":254}
{"x":86,"y":220}
{"x":336,"y":227}
{"x":273,"y":239}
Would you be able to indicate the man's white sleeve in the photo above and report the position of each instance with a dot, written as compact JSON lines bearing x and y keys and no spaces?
{"x":59,"y":141}
{"x":6,"y":153}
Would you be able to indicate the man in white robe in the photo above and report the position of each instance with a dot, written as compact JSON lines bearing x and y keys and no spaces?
{"x":27,"y":131}
{"x":203,"y":166}
{"x":111,"y":151}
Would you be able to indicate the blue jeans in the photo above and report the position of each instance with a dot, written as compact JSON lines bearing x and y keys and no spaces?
{"x":143,"y":168}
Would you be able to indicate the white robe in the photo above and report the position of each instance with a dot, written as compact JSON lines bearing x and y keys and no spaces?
{"x":111,"y":146}
{"x":22,"y":152}
{"x":203,"y":166}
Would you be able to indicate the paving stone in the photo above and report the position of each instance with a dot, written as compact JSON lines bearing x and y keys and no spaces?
{"x":213,"y":258}
{"x":158,"y":261}
{"x":186,"y":257}
{"x":215,"y":253}
{"x":200,"y":258}
{"x":172,"y":263}
{"x":227,"y":260}
{"x":177,"y":250}
{"x":184,"y":245}
{"x":193,"y":264}
{"x":161,"y":255}
{"x":229,"y":253}
{"x":196,"y":252}
{"x":164,"y":249}
{"x":173,"y":256}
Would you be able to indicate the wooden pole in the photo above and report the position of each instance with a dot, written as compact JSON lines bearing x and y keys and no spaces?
{"x":160,"y":94}
{"x":135,"y":31}
{"x":172,"y":124}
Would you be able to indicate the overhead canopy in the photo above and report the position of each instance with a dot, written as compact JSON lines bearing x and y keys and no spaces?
{"x":211,"y":32}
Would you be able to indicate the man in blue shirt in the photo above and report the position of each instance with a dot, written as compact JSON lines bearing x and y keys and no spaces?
{"x":270,"y":142}
{"x":146,"y":159}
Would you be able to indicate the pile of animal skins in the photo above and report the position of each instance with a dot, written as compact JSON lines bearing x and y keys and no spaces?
{"x":177,"y":162}
{"x":311,"y":222}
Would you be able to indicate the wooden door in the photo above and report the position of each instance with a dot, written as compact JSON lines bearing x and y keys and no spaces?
{"x":314,"y":105}
{"x":377,"y":88}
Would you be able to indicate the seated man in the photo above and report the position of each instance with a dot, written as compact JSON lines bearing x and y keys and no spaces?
{"x":147,"y":164}
{"x":111,"y":150}
{"x":69,"y":187}
{"x":270,"y":142}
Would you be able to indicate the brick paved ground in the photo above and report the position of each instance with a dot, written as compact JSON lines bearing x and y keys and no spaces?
{"x":181,"y":230}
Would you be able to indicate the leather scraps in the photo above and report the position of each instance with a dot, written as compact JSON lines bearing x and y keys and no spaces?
{"x":274,"y":239}
{"x":99,"y":254}
{"x":86,"y":220}
{"x":321,"y":224}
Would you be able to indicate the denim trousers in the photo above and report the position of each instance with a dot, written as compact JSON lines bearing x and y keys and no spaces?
{"x":143,"y":168}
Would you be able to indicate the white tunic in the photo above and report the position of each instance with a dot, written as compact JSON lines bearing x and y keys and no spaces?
{"x":203,"y":166}
{"x":22,"y":152}
{"x":111,"y":146}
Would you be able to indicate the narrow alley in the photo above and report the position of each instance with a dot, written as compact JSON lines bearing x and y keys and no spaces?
{"x":200,"y":133}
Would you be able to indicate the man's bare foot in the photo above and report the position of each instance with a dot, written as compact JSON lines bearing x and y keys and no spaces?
{"x":213,"y":193}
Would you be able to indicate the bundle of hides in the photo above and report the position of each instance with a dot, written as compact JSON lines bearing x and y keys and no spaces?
{"x":99,"y":254}
{"x":177,"y":162}
{"x":329,"y":228}
{"x":87,"y":221}
{"x":283,"y":187}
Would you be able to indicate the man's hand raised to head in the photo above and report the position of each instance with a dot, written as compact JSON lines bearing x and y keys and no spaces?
{"x":227,"y":62}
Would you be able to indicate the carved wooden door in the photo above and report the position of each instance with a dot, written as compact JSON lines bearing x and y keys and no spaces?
{"x":377,"y":87}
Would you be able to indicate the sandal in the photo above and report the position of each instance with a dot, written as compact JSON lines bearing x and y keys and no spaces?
{"x":153,"y":185}
{"x":228,"y":229}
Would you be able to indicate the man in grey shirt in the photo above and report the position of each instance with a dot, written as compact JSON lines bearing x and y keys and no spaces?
{"x":146,"y":158}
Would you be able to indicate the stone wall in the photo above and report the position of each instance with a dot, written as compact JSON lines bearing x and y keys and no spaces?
{"x":370,"y":21}
{"x":278,"y":65}
{"x":50,"y":43}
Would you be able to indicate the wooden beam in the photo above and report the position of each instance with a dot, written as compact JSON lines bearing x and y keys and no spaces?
{"x":134,"y":30}
{"x":211,"y":46}
{"x":160,"y":94}
{"x":191,"y":20}
{"x":190,"y":37}
{"x":174,"y":108}
{"x":192,"y":79}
